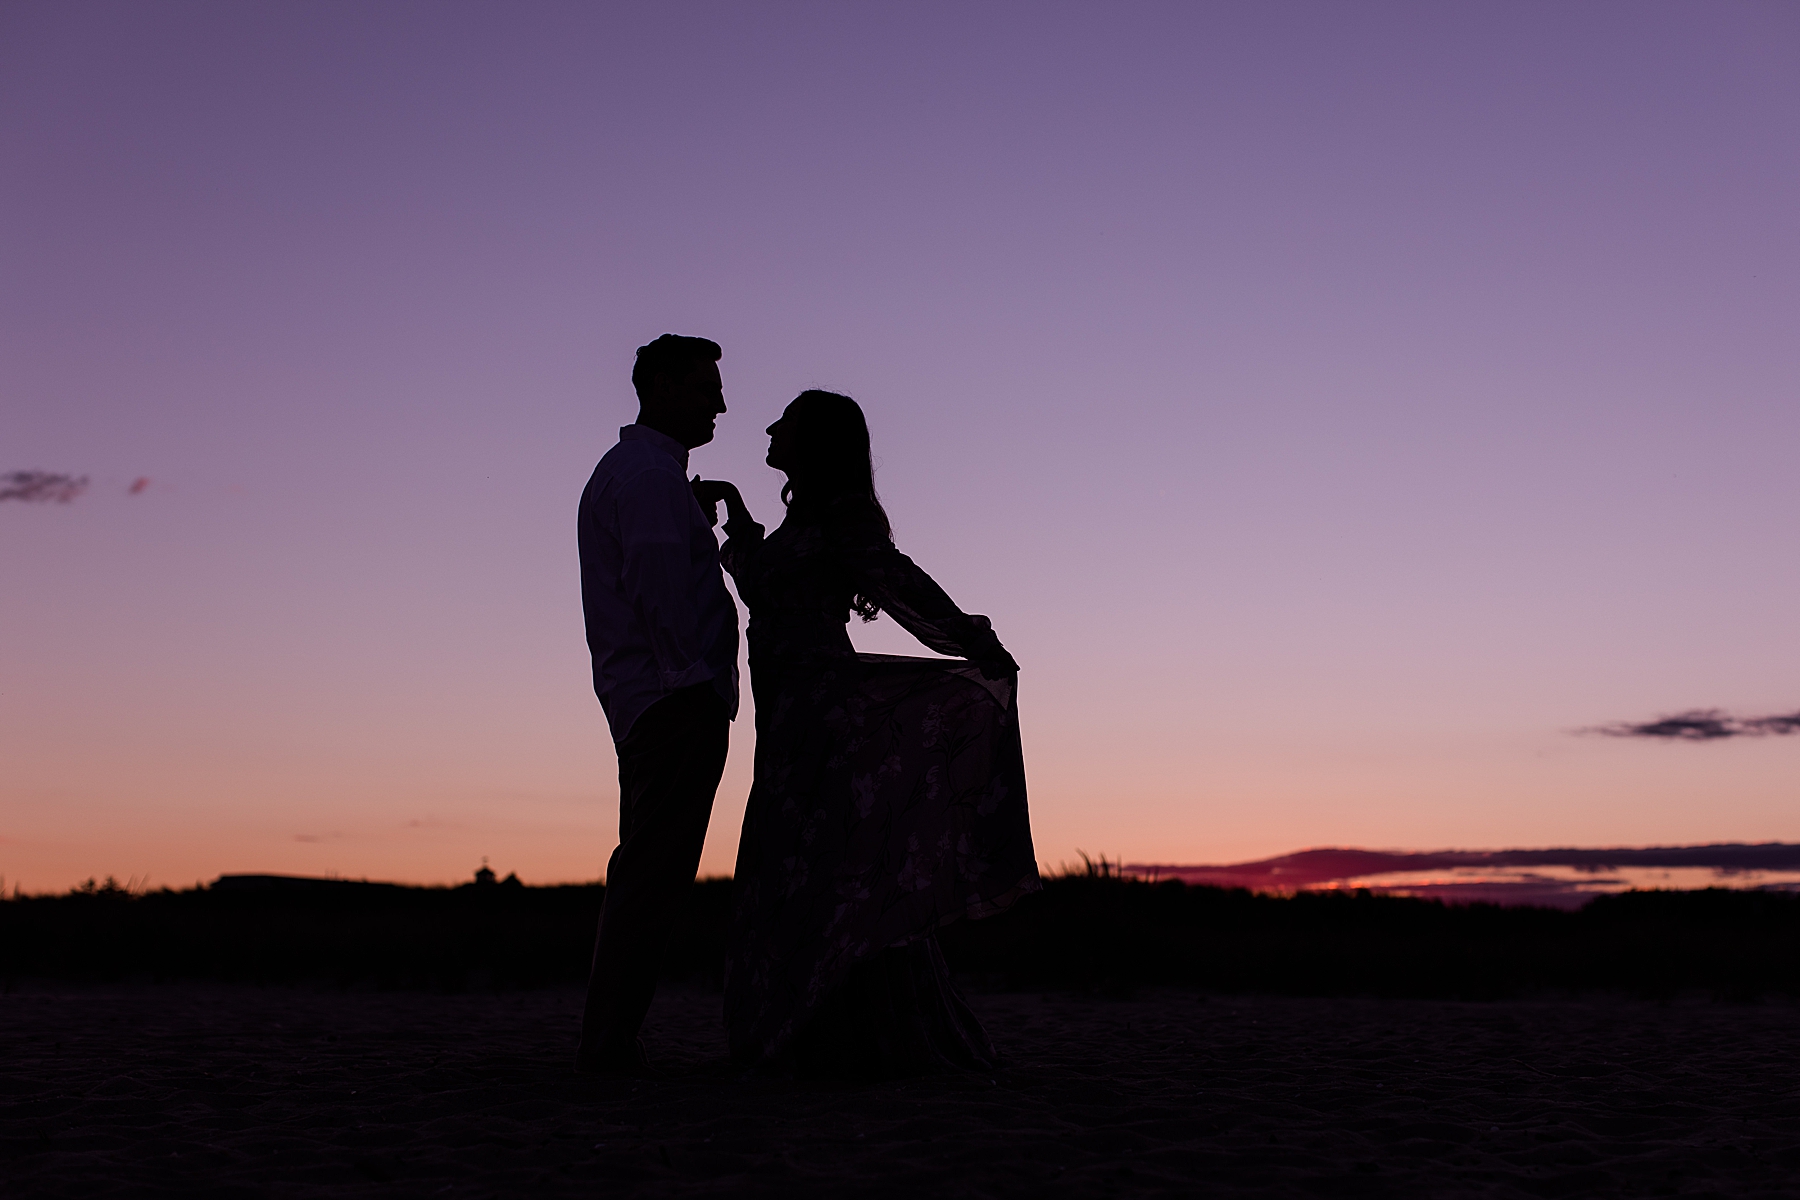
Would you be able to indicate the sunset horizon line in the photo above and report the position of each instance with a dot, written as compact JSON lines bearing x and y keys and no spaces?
{"x":1302,"y":869}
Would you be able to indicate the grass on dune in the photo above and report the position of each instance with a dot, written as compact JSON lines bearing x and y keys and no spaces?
{"x":1089,"y":929}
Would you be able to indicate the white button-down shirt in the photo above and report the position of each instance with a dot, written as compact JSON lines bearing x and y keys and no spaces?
{"x":658,"y":615}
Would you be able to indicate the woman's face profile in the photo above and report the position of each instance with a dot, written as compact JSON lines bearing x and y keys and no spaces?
{"x":781,"y":442}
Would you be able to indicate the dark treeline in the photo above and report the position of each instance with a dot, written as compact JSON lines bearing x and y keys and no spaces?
{"x":1095,"y":932}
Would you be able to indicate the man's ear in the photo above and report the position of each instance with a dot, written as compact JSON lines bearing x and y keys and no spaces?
{"x":656,"y":392}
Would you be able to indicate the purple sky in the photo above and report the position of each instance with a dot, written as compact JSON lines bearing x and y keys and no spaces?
{"x":1332,"y":405}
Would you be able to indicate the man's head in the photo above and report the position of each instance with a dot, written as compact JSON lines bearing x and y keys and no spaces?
{"x":678,"y":387}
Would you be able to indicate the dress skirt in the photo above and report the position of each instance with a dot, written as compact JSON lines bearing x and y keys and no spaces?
{"x":889,"y":801}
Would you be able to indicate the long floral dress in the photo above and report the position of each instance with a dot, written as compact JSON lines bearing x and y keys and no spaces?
{"x":889,"y":800}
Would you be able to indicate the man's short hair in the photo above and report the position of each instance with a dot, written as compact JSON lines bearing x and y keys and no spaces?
{"x":673,"y":354}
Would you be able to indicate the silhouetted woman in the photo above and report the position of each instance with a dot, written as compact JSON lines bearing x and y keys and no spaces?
{"x":889,"y":796}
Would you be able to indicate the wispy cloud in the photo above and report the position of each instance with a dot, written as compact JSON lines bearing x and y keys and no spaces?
{"x":1702,"y":725}
{"x":41,"y":487}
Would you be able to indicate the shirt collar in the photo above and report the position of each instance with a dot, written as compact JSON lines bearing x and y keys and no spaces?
{"x":662,"y":441}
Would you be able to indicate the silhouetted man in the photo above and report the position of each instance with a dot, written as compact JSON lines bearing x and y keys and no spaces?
{"x":663,"y":633}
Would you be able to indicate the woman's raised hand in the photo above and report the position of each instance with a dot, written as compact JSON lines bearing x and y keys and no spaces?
{"x":710,"y":491}
{"x":997,"y":666}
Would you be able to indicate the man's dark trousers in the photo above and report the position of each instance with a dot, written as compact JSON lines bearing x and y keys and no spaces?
{"x":669,"y":769}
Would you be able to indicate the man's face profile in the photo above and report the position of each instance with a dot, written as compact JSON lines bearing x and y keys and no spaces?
{"x":688,"y":403}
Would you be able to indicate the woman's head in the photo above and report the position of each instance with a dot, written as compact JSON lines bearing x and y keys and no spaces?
{"x":822,"y":443}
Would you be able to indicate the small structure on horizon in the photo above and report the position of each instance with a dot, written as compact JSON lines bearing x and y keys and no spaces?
{"x":484,"y":877}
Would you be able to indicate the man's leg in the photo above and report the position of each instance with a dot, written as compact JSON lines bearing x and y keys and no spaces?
{"x":669,"y":769}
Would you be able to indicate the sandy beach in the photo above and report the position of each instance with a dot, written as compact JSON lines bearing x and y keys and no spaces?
{"x":197,"y":1090}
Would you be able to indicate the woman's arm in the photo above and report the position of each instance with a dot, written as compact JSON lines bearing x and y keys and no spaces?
{"x":902,"y":589}
{"x":742,"y":533}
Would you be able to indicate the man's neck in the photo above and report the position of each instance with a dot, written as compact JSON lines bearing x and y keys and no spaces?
{"x":669,"y":444}
{"x":649,"y":422}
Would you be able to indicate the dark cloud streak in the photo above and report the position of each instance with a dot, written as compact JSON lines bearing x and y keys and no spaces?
{"x":41,"y":487}
{"x":1702,"y":725}
{"x":1775,"y":725}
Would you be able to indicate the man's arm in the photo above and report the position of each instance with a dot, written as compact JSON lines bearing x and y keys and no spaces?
{"x":656,"y":574}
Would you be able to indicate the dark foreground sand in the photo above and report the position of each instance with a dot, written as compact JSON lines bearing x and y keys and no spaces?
{"x":212,"y":1091}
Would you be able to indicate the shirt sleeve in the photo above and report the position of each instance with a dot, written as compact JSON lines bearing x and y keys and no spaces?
{"x":656,"y":575}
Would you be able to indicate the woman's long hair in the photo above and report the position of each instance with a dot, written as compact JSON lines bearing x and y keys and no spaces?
{"x":832,"y":464}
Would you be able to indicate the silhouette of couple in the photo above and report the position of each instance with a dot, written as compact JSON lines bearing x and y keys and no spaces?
{"x":889,"y":792}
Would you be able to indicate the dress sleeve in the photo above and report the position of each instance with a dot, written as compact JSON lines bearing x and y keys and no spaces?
{"x":902,"y":589}
{"x":742,"y":541}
